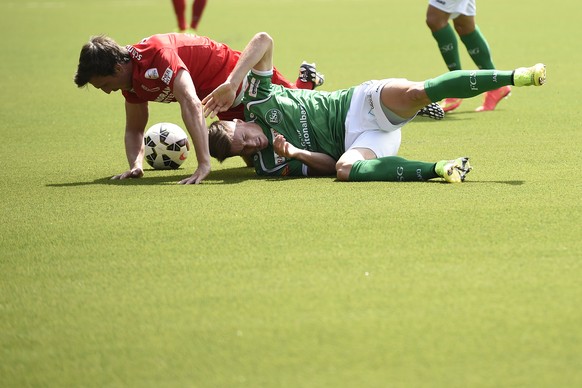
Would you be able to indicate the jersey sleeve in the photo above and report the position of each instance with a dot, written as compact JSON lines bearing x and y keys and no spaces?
{"x":268,"y":163}
{"x":258,"y":85}
{"x":170,"y":61}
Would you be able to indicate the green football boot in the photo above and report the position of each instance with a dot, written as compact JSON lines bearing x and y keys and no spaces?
{"x":453,"y":171}
{"x":528,"y":76}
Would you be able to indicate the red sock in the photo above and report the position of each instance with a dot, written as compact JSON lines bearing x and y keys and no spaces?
{"x":304,"y":85}
{"x":180,"y":10}
{"x":197,"y":9}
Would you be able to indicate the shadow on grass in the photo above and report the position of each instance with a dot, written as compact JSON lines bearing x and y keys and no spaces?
{"x":226,"y":176}
{"x":511,"y":183}
{"x":456,"y":116}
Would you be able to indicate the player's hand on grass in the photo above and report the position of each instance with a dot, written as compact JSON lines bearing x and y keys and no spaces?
{"x":133,"y":173}
{"x":199,"y":175}
{"x":220,"y":100}
{"x":283,"y":148}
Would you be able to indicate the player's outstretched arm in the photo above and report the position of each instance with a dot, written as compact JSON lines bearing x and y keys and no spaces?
{"x":193,"y":118}
{"x":318,"y":164}
{"x":136,"y":118}
{"x":258,"y":55}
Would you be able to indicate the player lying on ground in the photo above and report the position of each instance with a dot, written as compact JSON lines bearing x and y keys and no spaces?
{"x":165,"y":68}
{"x":354,"y":133}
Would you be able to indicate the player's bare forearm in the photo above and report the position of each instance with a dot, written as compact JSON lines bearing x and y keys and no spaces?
{"x":318,"y":164}
{"x":193,"y":118}
{"x":136,"y":118}
{"x":258,"y":54}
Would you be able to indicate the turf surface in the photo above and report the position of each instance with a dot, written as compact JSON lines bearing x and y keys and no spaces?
{"x":255,"y":282}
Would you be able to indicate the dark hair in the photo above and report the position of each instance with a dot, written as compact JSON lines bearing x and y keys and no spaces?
{"x":98,"y":58}
{"x":219,"y":141}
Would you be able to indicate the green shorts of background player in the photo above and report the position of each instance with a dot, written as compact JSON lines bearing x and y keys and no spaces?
{"x":353,"y":133}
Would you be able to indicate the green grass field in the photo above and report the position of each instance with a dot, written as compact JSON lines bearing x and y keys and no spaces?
{"x":255,"y":282}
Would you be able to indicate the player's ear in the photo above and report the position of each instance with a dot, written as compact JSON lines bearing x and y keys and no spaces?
{"x":118,"y":68}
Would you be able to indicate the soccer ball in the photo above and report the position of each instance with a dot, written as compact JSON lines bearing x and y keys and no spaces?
{"x":166,"y":146}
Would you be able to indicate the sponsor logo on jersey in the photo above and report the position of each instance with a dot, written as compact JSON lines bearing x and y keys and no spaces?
{"x":133,"y":52}
{"x":156,"y":89}
{"x":254,"y":87}
{"x":165,"y":96}
{"x":167,"y":77}
{"x":303,"y":129}
{"x":152,"y":73}
{"x":274,"y":116}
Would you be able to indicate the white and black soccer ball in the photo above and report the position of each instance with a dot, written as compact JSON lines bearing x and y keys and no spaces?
{"x":166,"y":146}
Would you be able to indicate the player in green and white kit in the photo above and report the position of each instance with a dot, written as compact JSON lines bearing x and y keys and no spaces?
{"x":354,"y":132}
{"x":310,"y":121}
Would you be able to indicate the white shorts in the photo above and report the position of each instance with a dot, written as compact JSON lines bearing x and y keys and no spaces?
{"x":366,"y":124}
{"x":456,"y":7}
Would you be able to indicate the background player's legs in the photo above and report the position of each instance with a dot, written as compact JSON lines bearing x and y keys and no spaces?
{"x":180,"y":11}
{"x":197,"y":10}
{"x":444,"y":34}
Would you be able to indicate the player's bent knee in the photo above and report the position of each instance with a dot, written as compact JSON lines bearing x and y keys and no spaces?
{"x":343,"y":170}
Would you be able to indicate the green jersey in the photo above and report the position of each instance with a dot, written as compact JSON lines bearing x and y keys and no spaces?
{"x":308,"y":119}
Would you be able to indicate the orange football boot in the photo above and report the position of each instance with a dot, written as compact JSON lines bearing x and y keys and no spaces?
{"x":493,"y":97}
{"x":448,"y":104}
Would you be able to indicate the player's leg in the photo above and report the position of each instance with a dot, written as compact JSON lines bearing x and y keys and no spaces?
{"x":444,"y":34}
{"x":361,"y":165}
{"x":404,"y":98}
{"x":197,"y":10}
{"x":180,"y":11}
{"x":279,"y":79}
{"x":474,"y":41}
{"x":371,"y":156}
{"x":309,"y":78}
{"x":371,"y":153}
{"x":387,"y":169}
{"x":478,"y":49}
{"x":466,"y":84}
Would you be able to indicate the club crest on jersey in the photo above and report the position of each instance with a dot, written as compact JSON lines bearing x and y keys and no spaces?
{"x":274,"y":116}
{"x":152,"y":74}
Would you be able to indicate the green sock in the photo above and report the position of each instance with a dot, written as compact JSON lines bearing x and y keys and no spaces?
{"x":391,"y":169}
{"x":478,"y":49}
{"x":466,"y":83}
{"x":449,"y":46}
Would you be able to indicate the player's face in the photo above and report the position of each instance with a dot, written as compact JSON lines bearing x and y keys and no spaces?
{"x":112,"y":83}
{"x":247,"y":139}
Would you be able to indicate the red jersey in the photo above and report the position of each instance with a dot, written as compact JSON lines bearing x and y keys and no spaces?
{"x":156,"y":61}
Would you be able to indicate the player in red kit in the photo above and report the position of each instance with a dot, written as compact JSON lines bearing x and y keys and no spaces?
{"x":180,"y":11}
{"x":167,"y":68}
